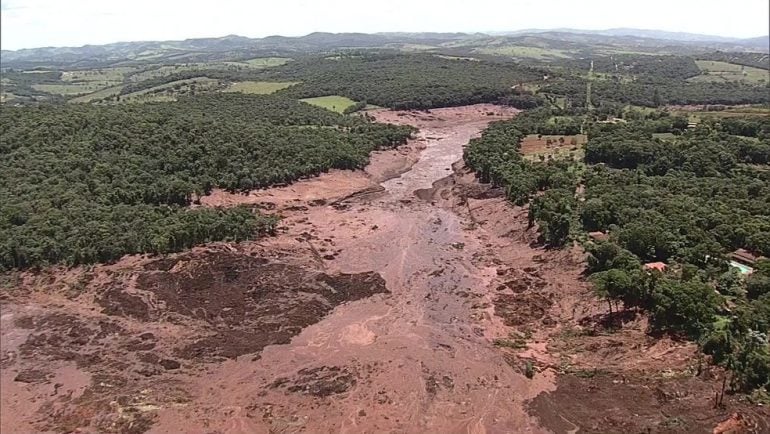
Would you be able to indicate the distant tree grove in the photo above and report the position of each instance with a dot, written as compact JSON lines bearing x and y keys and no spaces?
{"x":686,"y":200}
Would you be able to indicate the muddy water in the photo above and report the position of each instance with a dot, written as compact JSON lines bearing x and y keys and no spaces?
{"x":420,"y":357}
{"x":445,"y":148}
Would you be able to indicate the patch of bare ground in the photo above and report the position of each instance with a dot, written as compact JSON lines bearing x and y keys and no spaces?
{"x":608,"y":374}
{"x":540,"y":144}
{"x":109,"y":357}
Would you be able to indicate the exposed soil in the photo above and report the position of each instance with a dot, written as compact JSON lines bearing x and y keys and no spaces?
{"x":610,"y":403}
{"x":538,"y":143}
{"x":402,"y":298}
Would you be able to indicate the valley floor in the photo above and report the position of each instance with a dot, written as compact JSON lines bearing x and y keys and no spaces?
{"x":402,"y":298}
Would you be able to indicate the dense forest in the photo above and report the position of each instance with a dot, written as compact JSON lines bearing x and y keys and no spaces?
{"x":383,"y":78}
{"x":656,"y":92}
{"x":420,"y":81}
{"x":669,"y":67}
{"x":83,"y":183}
{"x":406,"y":81}
{"x":686,"y":201}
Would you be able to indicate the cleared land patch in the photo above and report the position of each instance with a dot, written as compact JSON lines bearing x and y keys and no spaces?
{"x":105,"y":75}
{"x":540,"y":146}
{"x":98,"y":95}
{"x":732,"y":112}
{"x":723,"y":72}
{"x":170,"y":91}
{"x":6,"y":96}
{"x":267,"y":62}
{"x":334,"y":103}
{"x":86,"y":81}
{"x":529,"y":52}
{"x":162,"y":71}
{"x":664,"y":136}
{"x":259,"y":87}
{"x":71,"y":89}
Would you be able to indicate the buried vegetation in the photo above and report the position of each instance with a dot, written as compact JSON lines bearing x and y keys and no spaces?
{"x":133,"y":351}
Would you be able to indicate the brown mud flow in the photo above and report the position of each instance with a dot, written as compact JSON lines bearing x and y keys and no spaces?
{"x":395,"y":299}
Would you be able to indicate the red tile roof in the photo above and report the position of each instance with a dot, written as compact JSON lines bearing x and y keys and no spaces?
{"x":743,"y":255}
{"x":660,"y":266}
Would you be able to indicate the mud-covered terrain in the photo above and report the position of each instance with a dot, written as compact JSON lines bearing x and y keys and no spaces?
{"x":402,"y":298}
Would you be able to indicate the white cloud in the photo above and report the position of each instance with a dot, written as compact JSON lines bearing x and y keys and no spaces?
{"x":35,"y":23}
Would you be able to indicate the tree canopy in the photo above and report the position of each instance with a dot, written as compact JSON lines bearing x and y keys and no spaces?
{"x":84,"y":183}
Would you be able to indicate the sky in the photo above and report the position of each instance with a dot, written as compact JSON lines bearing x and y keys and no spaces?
{"x":41,"y":23}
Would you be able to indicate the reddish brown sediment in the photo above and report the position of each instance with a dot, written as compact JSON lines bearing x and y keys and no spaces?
{"x":402,"y":298}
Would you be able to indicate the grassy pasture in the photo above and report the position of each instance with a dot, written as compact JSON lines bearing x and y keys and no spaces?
{"x":266,"y":62}
{"x":735,"y":112}
{"x":666,"y":137}
{"x":528,"y":52}
{"x":332,"y":102}
{"x":102,"y":75}
{"x":170,"y":91}
{"x":724,"y":72}
{"x":415,"y":47}
{"x":98,"y":95}
{"x":72,"y":88}
{"x":164,"y":71}
{"x":6,"y":96}
{"x":258,"y":63}
{"x":443,"y":56}
{"x":259,"y":87}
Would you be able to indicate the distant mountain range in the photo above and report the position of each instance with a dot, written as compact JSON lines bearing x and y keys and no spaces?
{"x":233,"y":46}
{"x":761,"y":41}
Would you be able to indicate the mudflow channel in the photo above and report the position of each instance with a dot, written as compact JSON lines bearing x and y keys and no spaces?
{"x":304,"y":337}
{"x":415,"y":360}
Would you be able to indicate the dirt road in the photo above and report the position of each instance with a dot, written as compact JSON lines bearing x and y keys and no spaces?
{"x":396,"y":299}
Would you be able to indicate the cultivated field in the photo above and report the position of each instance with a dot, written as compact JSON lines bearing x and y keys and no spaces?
{"x":98,"y":95}
{"x":723,"y":71}
{"x":696,"y":114}
{"x":162,"y":71}
{"x":527,"y":52}
{"x":170,"y":91}
{"x":536,"y":147}
{"x":71,"y":89}
{"x":265,"y":62}
{"x":259,"y":87}
{"x":105,"y":75}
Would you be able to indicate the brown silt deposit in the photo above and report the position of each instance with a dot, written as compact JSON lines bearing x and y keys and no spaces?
{"x":402,"y":298}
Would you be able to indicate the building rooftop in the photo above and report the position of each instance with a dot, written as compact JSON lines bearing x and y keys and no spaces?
{"x":599,"y":236}
{"x":744,"y":256}
{"x":660,"y":266}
